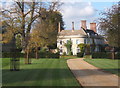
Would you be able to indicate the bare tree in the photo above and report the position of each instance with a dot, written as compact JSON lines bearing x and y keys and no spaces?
{"x":22,"y":17}
{"x":109,"y":22}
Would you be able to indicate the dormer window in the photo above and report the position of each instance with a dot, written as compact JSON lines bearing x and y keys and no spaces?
{"x":88,"y":34}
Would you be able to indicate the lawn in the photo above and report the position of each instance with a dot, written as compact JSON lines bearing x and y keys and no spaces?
{"x":42,"y":72}
{"x":109,"y":65}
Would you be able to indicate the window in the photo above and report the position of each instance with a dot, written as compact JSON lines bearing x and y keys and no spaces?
{"x":67,"y":41}
{"x":77,"y":41}
{"x":61,"y":50}
{"x":85,"y":41}
{"x":78,"y":50}
{"x":60,"y":42}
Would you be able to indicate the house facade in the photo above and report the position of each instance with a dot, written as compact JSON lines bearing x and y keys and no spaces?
{"x":83,"y":35}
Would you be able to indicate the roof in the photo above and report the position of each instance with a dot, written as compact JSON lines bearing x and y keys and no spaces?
{"x":90,"y":31}
{"x":71,"y":32}
{"x":80,"y":32}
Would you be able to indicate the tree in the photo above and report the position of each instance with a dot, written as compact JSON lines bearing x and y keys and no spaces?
{"x":45,"y":32}
{"x":18,"y":41}
{"x":82,"y":47}
{"x":68,"y":45}
{"x":21,"y":18}
{"x":110,"y":24}
{"x":36,"y":41}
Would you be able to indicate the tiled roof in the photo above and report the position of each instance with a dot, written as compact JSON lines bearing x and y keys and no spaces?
{"x":71,"y":32}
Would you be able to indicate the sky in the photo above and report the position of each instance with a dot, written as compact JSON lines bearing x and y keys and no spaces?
{"x":77,"y":11}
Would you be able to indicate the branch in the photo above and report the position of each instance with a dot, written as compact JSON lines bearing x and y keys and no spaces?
{"x":27,"y":12}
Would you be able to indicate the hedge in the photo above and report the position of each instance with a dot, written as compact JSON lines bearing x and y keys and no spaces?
{"x":99,"y":55}
{"x":31,"y":55}
{"x":80,"y":54}
{"x":105,"y":55}
{"x":11,"y":54}
{"x":48,"y":55}
{"x":117,"y":55}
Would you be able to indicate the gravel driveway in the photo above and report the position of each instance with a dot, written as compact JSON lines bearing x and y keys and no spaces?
{"x":90,"y":76}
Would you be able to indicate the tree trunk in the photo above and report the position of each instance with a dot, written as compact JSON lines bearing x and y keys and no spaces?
{"x":113,"y":54}
{"x":36,"y":53}
{"x":27,"y":61}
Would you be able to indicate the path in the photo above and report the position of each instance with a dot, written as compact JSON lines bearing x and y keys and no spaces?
{"x":89,"y":75}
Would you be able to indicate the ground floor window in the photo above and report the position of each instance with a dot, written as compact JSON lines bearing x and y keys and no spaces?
{"x":61,"y":50}
{"x":78,"y":50}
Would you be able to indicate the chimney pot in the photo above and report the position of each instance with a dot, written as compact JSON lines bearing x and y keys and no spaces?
{"x":72,"y":26}
{"x":93,"y":26}
{"x":83,"y":24}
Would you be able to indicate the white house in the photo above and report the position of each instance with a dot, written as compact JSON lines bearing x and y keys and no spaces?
{"x":83,"y":35}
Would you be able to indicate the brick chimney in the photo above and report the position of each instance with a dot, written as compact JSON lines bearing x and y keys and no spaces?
{"x":93,"y":26}
{"x":83,"y":24}
{"x":72,"y":26}
{"x":59,"y":30}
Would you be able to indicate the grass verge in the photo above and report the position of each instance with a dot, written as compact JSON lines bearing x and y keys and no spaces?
{"x":109,"y":65}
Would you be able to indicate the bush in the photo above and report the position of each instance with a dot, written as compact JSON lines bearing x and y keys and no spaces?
{"x":118,"y":55}
{"x":11,"y":54}
{"x":64,"y":53}
{"x":80,"y":54}
{"x":88,"y":56}
{"x":42,"y":54}
{"x":99,"y":55}
{"x":47,"y":54}
{"x":105,"y":55}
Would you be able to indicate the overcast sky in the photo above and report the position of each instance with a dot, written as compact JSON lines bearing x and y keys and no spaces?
{"x":77,"y":11}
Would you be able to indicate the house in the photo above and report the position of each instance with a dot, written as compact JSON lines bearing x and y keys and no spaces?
{"x":83,"y":35}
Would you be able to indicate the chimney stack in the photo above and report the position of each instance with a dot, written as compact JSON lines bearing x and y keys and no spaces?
{"x":59,"y":29}
{"x":83,"y":24}
{"x":72,"y":26}
{"x":93,"y":26}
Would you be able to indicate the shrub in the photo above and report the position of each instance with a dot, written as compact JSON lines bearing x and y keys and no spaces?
{"x":99,"y":55}
{"x":105,"y":55}
{"x":47,"y":54}
{"x":12,"y":54}
{"x":80,"y":54}
{"x":88,"y":56}
{"x":118,"y":55}
{"x":42,"y":54}
{"x":64,"y":53}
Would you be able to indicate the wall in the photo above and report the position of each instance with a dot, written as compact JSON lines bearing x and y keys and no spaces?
{"x":74,"y":45}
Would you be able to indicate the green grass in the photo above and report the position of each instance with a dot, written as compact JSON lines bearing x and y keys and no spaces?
{"x":109,"y":65}
{"x":42,"y":72}
{"x":68,"y":57}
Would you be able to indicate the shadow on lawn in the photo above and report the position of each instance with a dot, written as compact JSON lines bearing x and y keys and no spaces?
{"x":43,"y":74}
